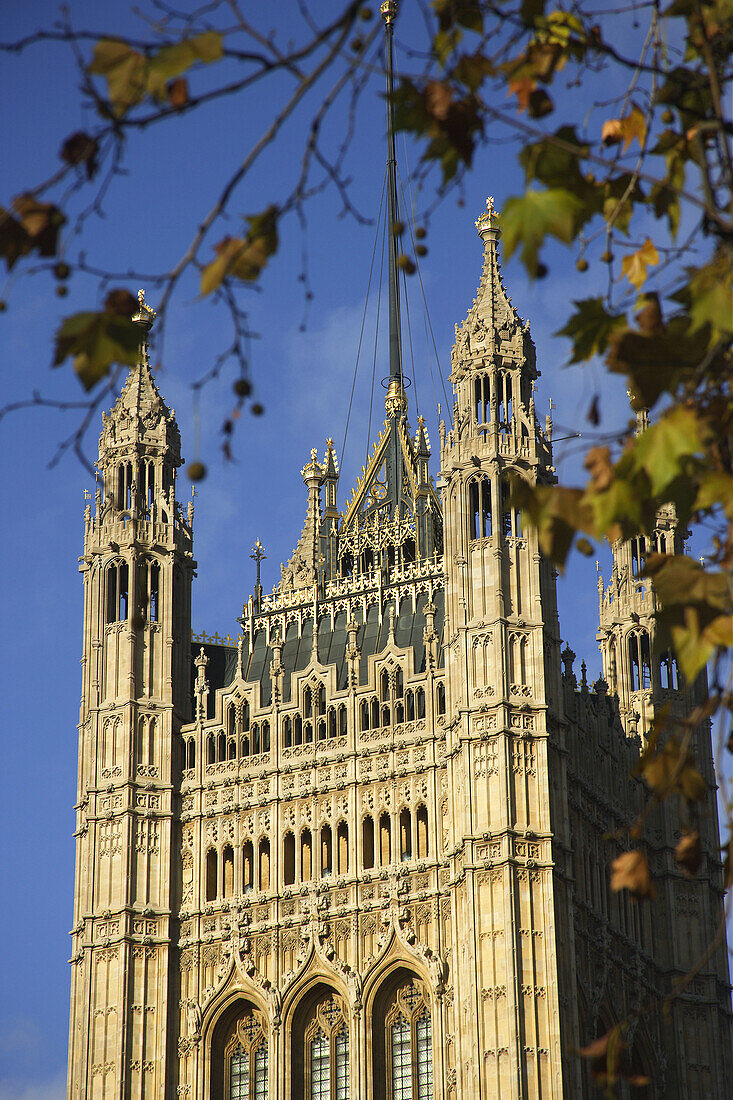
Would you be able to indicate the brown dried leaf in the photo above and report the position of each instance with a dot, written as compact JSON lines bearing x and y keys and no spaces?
{"x":120,"y":302}
{"x":611,"y":133}
{"x":598,"y":464}
{"x":14,"y":241}
{"x":42,"y":222}
{"x":81,"y":148}
{"x":597,"y":1048}
{"x":539,"y":103}
{"x":177,"y":92}
{"x":649,"y":317}
{"x":688,"y":853}
{"x":630,"y":871}
{"x":522,"y":88}
{"x":438,"y":97}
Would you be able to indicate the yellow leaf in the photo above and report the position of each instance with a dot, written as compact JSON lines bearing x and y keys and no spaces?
{"x":634,"y":266}
{"x":630,"y":871}
{"x":125,"y":70}
{"x":617,"y":130}
{"x":633,"y":126}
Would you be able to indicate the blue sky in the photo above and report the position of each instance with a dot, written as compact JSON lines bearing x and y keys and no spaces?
{"x":302,"y":379}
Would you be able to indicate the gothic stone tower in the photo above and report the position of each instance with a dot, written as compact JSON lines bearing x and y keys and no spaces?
{"x":137,"y":567}
{"x":514,"y":997}
{"x":362,"y":851}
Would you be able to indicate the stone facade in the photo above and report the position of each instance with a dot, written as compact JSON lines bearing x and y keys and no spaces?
{"x":361,"y":851}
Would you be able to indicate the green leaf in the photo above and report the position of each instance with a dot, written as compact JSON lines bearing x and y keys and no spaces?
{"x":551,"y":163}
{"x":688,"y":91}
{"x":531,"y":10}
{"x":472,"y":69}
{"x":707,"y":297}
{"x":451,"y":123}
{"x":467,"y":13}
{"x":590,"y":328}
{"x":556,"y":512}
{"x":173,"y":60}
{"x":125,"y":70}
{"x":243,"y":258}
{"x":96,"y":340}
{"x":661,"y":450}
{"x":653,"y":362}
{"x":528,"y":219}
{"x":131,"y":76}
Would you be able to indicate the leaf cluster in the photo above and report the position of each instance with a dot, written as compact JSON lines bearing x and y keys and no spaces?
{"x":132,"y":76}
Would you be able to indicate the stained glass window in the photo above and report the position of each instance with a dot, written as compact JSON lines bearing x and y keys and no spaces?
{"x":246,"y":1059}
{"x":409,"y":1043}
{"x":401,"y":1070}
{"x":327,"y":1050}
{"x":320,"y":1067}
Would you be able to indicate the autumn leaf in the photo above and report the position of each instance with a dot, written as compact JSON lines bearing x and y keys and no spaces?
{"x":634,"y":267}
{"x":663,"y":450}
{"x":451,"y":124}
{"x":466,"y":13}
{"x":654,"y":362}
{"x":630,"y":871}
{"x":557,"y":514}
{"x":177,"y":91}
{"x":95,"y":341}
{"x":438,"y":96}
{"x":688,"y":853}
{"x":528,"y":219}
{"x":671,"y":770}
{"x":42,"y":222}
{"x":598,"y":464}
{"x":121,"y":302}
{"x":590,"y":328}
{"x":125,"y":71}
{"x":522,"y":88}
{"x":695,"y":613}
{"x":81,"y":149}
{"x":131,"y":76}
{"x":539,"y":103}
{"x":707,"y":297}
{"x":617,"y":131}
{"x":175,"y":59}
{"x":472,"y":69}
{"x":14,"y":240}
{"x":611,"y":133}
{"x":633,"y":126}
{"x":243,"y":258}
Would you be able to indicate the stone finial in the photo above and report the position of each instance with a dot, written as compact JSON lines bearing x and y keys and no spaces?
{"x":144,"y":315}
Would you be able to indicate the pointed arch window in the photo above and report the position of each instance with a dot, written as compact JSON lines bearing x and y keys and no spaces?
{"x":327,"y":1052}
{"x":482,"y":396}
{"x":638,"y":549}
{"x":479,"y":508}
{"x":342,"y":847}
{"x":367,"y":842}
{"x":505,"y":402}
{"x":228,"y":868}
{"x":211,"y":874}
{"x":669,"y":671}
{"x":288,"y":859}
{"x":246,"y":1062}
{"x":403,"y":1051}
{"x":640,"y":661}
{"x":117,"y":591}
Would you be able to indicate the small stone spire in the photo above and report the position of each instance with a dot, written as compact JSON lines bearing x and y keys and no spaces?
{"x":302,"y":569}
